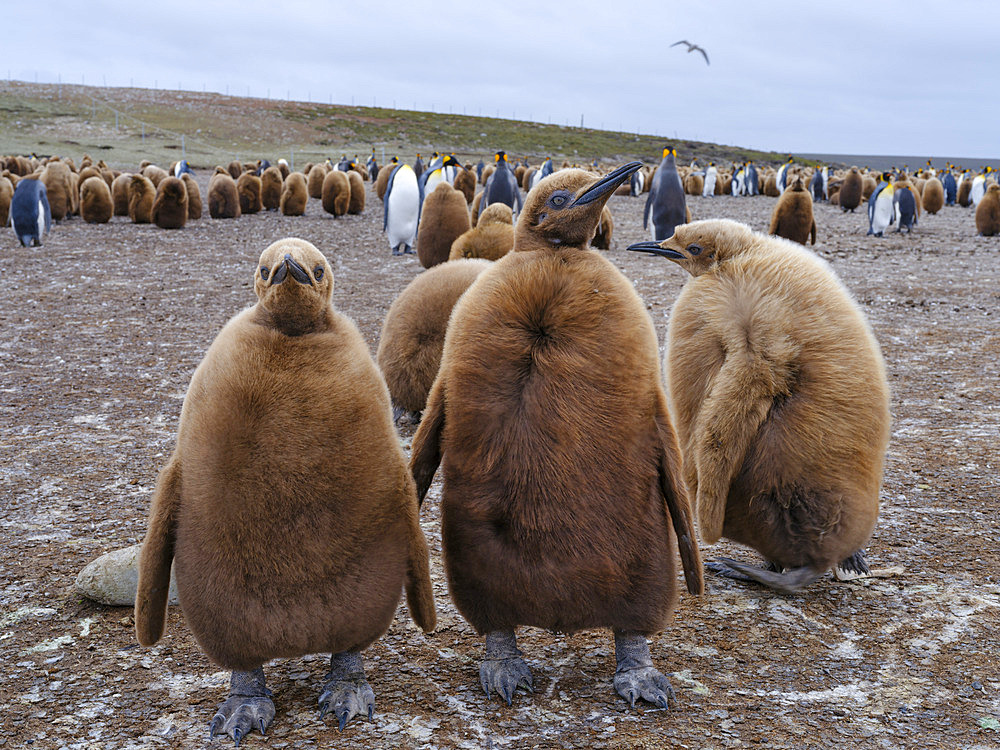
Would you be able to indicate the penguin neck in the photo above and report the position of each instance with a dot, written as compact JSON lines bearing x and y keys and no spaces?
{"x":296,"y":322}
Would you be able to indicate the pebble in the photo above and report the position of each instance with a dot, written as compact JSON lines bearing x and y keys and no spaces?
{"x":114,"y":577}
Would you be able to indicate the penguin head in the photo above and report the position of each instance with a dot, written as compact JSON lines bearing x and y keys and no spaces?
{"x":667,"y":151}
{"x":450,"y":161}
{"x":500,"y":156}
{"x":563,"y":210}
{"x":701,"y":245}
{"x":294,"y":283}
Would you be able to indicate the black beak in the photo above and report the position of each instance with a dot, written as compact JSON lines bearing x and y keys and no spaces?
{"x":653,"y":248}
{"x":290,"y":266}
{"x":607,"y":184}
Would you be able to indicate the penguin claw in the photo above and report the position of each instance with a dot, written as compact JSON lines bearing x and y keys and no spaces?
{"x":346,"y":697}
{"x":505,"y":676}
{"x":647,"y":683}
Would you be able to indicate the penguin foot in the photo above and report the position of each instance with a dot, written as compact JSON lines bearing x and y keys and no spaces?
{"x":790,"y":581}
{"x":502,"y":668}
{"x":401,"y":415}
{"x":346,"y":693}
{"x":853,"y":568}
{"x":635,"y":675}
{"x":396,"y":251}
{"x":409,"y":251}
{"x":248,"y":707}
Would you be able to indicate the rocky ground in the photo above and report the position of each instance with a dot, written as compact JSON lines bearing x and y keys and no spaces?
{"x":102,"y":328}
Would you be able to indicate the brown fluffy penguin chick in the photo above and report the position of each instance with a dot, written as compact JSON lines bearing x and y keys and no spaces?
{"x":605,"y":228}
{"x":382,"y":181}
{"x":444,"y":217}
{"x":491,"y":239}
{"x":409,"y":347}
{"x":851,"y":190}
{"x":336,"y":192}
{"x":248,"y":190}
{"x":988,"y":212}
{"x":194,"y":196}
{"x":6,"y":195}
{"x":465,"y":181}
{"x":932,"y":196}
{"x":294,"y":195}
{"x":119,"y":194}
{"x":314,"y":181}
{"x":562,"y":491}
{"x":476,"y":200}
{"x":286,"y":508}
{"x":58,"y":182}
{"x":792,"y":217}
{"x":223,"y":197}
{"x":141,"y":194}
{"x":356,"y":205}
{"x":95,"y":201}
{"x":170,"y":207}
{"x":155,"y":174}
{"x":779,"y":393}
{"x":270,"y":188}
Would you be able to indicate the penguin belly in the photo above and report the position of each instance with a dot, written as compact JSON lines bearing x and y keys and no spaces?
{"x":403,"y":205}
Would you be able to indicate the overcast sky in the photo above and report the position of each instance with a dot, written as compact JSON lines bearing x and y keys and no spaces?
{"x":831,"y":77}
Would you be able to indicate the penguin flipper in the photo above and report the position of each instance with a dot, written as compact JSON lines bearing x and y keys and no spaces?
{"x":645,"y":211}
{"x":426,"y":451}
{"x":789,"y":582}
{"x":419,"y":591}
{"x":156,"y":556}
{"x":812,"y":232}
{"x":385,"y":200}
{"x":678,"y":503}
{"x":731,"y":416}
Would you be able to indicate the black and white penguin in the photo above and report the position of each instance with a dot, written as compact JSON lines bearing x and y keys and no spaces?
{"x":782,"y":177}
{"x":881,"y":206}
{"x":401,"y":204}
{"x":666,"y":206}
{"x":501,"y":187}
{"x":372,"y":166}
{"x":711,"y":175}
{"x":30,"y":214}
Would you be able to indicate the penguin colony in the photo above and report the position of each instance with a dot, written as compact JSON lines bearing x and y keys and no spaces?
{"x":839,"y":497}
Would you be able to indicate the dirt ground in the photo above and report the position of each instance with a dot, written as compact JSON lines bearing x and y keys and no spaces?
{"x":103,"y":326}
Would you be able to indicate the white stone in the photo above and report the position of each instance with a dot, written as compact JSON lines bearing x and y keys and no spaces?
{"x":113,"y":578}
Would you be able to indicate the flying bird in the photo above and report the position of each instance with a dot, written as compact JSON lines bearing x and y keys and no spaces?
{"x":692,"y":48}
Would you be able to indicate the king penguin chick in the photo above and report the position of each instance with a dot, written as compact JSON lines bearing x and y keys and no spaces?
{"x":792,"y":217}
{"x":561,"y":490}
{"x":666,"y":206}
{"x":409,"y":347}
{"x":779,"y":392}
{"x":286,"y":507}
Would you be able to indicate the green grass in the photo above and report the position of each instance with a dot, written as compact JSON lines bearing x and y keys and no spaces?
{"x":73,"y":120}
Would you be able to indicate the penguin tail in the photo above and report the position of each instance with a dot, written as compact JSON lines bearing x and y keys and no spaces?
{"x":156,"y":556}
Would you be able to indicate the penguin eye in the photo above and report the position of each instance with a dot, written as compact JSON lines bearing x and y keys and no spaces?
{"x":318,"y":273}
{"x":558,"y":200}
{"x":264,"y":272}
{"x":694,"y":249}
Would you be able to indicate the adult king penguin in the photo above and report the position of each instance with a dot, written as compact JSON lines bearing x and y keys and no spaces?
{"x":711,"y":175}
{"x":781,"y":178}
{"x":501,"y":187}
{"x":401,"y":207}
{"x":562,"y":505}
{"x":881,"y":206}
{"x":666,"y":206}
{"x":29,"y":212}
{"x":286,"y":508}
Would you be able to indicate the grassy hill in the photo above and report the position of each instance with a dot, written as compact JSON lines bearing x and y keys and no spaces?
{"x":125,"y":125}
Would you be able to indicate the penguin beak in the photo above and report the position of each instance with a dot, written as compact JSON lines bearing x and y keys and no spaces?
{"x":607,"y":184}
{"x":290,"y":266}
{"x":656,"y":248}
